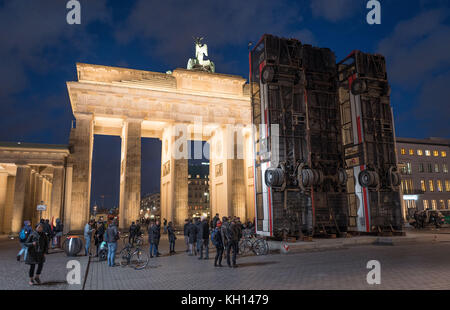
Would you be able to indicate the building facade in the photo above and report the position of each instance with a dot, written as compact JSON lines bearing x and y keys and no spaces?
{"x":198,"y":190}
{"x":151,"y":206}
{"x":423,"y":165}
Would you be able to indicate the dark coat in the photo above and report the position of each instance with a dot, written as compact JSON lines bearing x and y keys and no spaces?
{"x":218,"y":238}
{"x":155,"y":234}
{"x":236,"y":233}
{"x":199,"y":228}
{"x":171,"y":233}
{"x":205,"y":230}
{"x":98,"y":238}
{"x":36,"y":253}
{"x":133,"y":229}
{"x":192,"y":230}
{"x":186,"y":229}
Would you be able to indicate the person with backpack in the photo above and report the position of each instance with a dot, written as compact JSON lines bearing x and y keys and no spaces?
{"x":204,"y":243}
{"x":37,"y":244}
{"x":216,"y":239}
{"x":154,"y":235}
{"x":172,"y":238}
{"x":23,"y":236}
{"x":88,"y":229}
{"x":112,"y":235}
{"x":233,"y":233}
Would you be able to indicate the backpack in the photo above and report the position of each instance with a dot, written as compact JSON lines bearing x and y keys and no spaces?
{"x":23,"y":235}
{"x":213,"y":236}
{"x":228,"y":232}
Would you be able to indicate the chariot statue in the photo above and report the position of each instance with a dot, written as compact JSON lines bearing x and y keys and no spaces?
{"x":199,"y":63}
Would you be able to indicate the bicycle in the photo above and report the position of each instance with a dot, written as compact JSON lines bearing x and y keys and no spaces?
{"x":134,"y":257}
{"x":251,"y":242}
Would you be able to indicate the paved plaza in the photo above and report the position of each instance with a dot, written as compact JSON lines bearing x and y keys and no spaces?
{"x":423,"y":265}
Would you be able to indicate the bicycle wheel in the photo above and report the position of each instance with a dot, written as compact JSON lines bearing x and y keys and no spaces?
{"x":259,"y":248}
{"x":244,"y":246}
{"x":139,"y":259}
{"x":124,"y":256}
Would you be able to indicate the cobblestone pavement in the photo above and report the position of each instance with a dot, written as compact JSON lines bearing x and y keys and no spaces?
{"x":418,"y":266}
{"x":14,"y":274}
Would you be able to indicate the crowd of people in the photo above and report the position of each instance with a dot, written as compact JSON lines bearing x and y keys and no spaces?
{"x":224,"y":234}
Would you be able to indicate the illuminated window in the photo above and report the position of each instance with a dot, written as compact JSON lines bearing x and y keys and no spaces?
{"x":403,"y":151}
{"x":443,"y":153}
{"x":435,"y":153}
{"x":427,"y":153}
{"x":419,"y":152}
{"x":439,"y":185}
{"x":447,"y":186}
{"x":433,"y":204}
{"x":444,"y":168}
{"x":441,"y":204}
{"x":431,"y":185}
{"x":436,"y":168}
{"x":411,"y":152}
{"x":425,"y":204}
{"x":422,"y":185}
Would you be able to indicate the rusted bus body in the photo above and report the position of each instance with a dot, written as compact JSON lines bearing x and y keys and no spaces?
{"x":369,"y":144}
{"x":300,"y":185}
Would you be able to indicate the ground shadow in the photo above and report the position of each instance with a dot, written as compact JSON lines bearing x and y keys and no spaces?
{"x":254,"y":264}
{"x":52,"y":283}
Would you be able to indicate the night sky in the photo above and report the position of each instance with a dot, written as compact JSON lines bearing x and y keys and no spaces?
{"x":38,"y":52}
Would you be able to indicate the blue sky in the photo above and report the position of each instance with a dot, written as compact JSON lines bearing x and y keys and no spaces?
{"x":38,"y":52}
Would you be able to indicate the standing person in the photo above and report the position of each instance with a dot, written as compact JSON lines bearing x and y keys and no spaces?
{"x":59,"y":228}
{"x":37,"y":244}
{"x":112,"y":235}
{"x":204,"y":243}
{"x":223,"y":233}
{"x":233,"y":232}
{"x":199,"y":227}
{"x":186,"y":234}
{"x":132,"y":233}
{"x":217,"y":241}
{"x":88,"y":228}
{"x":192,"y":230}
{"x":98,"y":236}
{"x":154,"y":241}
{"x":47,"y":232}
{"x":172,"y":238}
{"x":165,"y":226}
{"x":23,"y":237}
{"x":214,"y":221}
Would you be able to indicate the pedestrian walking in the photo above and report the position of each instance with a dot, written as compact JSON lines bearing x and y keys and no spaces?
{"x":217,"y":241}
{"x":112,"y":235}
{"x":204,"y":243}
{"x":23,"y":237}
{"x":192,"y":233}
{"x":172,"y":238}
{"x":186,"y":234}
{"x":37,"y":244}
{"x":214,"y":221}
{"x":88,"y":229}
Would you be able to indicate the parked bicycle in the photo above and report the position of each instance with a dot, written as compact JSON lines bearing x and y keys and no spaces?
{"x":134,"y":257}
{"x":251,"y":242}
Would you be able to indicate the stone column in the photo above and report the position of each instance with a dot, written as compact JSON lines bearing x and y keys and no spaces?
{"x":67,"y":210}
{"x":130,"y":173}
{"x":227,"y":177}
{"x":9,"y":205}
{"x":39,"y":197}
{"x":81,"y":139}
{"x":30,"y":208}
{"x":57,"y":192}
{"x":174,"y":175}
{"x":249,"y":177}
{"x":3,"y":194}
{"x":20,"y":196}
